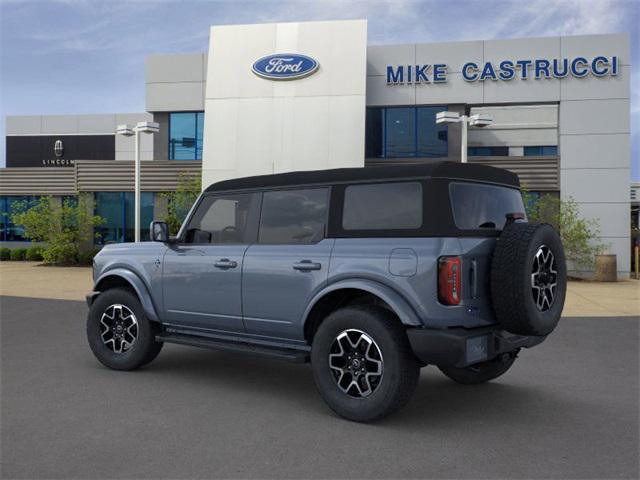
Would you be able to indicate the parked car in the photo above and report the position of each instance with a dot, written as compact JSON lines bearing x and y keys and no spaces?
{"x":368,"y":273}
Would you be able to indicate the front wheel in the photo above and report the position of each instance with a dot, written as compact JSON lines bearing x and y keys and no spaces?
{"x":481,"y":372}
{"x":362,"y":363}
{"x":119,"y":334}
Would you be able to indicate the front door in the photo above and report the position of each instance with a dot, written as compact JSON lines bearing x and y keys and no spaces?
{"x":290,"y":262}
{"x":203,"y":271}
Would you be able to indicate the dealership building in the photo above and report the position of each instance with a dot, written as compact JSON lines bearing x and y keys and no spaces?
{"x":271,"y":98}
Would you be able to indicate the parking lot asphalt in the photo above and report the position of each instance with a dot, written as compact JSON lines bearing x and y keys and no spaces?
{"x":566,"y":409}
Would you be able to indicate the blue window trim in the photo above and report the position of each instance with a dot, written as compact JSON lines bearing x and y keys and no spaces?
{"x":195,"y":130}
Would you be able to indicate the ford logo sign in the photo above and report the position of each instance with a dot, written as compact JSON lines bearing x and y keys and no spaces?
{"x":285,"y":66}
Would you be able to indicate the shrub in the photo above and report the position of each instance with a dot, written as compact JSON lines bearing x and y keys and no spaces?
{"x":63,"y":227}
{"x":5,"y":253}
{"x":34,"y":254}
{"x":18,"y":253}
{"x":86,"y":258}
{"x":580,"y":236}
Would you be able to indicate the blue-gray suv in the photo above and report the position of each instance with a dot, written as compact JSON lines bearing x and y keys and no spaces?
{"x":368,"y":273}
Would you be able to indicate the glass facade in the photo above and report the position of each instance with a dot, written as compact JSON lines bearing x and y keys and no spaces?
{"x":185,"y":135}
{"x":400,"y":132}
{"x":541,"y":151}
{"x":116,"y":208}
{"x":488,"y":151}
{"x":9,"y":232}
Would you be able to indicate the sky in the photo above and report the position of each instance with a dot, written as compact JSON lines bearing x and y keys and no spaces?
{"x":87,"y":56}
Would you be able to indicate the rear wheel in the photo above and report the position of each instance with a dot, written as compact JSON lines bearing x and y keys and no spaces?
{"x":481,"y":372}
{"x":362,"y":363}
{"x":119,"y":334}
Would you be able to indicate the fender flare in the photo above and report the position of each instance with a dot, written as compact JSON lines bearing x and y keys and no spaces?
{"x":137,"y":284}
{"x":406,"y":313}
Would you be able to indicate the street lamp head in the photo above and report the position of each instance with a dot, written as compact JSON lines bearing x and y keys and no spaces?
{"x":148,"y":127}
{"x":447,"y":117}
{"x":480,"y":120}
{"x":124,"y":129}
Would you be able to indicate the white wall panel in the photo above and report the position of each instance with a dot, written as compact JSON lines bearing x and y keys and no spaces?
{"x":59,"y":124}
{"x":381,"y":94}
{"x":596,"y":185}
{"x":379,"y":56}
{"x":174,"y":68}
{"x":612,"y":219}
{"x":455,"y":90}
{"x":175,"y":97}
{"x":23,"y":125}
{"x":593,"y":88}
{"x":595,"y":151}
{"x":594,"y":117}
{"x":521,"y":49}
{"x":256,"y":126}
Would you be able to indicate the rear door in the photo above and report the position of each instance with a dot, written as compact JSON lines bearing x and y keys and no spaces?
{"x":289,"y":263}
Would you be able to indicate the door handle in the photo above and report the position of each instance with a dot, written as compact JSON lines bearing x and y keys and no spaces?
{"x":225,"y":263}
{"x":306,"y":265}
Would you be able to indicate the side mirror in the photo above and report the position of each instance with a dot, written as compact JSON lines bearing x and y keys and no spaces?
{"x":159,"y":232}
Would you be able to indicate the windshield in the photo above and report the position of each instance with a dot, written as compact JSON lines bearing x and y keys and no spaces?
{"x":476,"y":206}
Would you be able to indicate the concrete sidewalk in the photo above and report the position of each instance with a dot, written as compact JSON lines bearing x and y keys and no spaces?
{"x":30,"y":279}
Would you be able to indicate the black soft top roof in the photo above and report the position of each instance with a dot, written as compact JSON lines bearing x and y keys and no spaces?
{"x":453,"y":170}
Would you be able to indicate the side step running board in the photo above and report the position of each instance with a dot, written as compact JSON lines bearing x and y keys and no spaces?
{"x":288,"y":355}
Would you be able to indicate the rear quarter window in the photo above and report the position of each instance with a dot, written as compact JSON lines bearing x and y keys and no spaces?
{"x":383,"y":206}
{"x":476,"y":206}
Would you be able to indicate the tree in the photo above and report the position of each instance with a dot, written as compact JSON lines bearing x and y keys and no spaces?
{"x":580,"y":236}
{"x":180,"y":202}
{"x":62,"y":227}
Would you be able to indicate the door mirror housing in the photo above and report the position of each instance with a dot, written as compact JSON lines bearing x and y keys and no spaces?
{"x":159,"y":232}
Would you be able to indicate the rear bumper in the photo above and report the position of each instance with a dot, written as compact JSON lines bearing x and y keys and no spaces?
{"x":460,"y":347}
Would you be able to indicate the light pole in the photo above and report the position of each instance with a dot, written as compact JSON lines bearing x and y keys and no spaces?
{"x":477,"y":120}
{"x":128,"y":131}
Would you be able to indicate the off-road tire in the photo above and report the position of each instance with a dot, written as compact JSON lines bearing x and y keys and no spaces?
{"x":400,"y":367}
{"x":480,"y":373}
{"x":142,"y":351}
{"x":511,"y":278}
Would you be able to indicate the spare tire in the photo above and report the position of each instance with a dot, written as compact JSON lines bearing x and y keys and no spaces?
{"x":528,"y":278}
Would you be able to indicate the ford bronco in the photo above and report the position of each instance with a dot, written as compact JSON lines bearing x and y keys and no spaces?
{"x":368,"y":273}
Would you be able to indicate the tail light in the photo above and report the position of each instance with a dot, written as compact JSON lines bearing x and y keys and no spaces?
{"x":449,"y":285}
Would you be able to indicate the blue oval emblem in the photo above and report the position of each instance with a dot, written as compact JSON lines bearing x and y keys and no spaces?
{"x":284,"y":66}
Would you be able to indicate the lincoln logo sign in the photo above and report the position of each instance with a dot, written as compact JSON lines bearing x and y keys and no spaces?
{"x":58,"y":148}
{"x":285,"y":66}
{"x":505,"y":70}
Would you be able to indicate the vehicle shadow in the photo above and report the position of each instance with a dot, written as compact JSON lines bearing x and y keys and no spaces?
{"x":435,"y":400}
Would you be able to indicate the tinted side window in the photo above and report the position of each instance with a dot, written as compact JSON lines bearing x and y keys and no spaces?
{"x":293,"y":216}
{"x":483,"y":206}
{"x":221,"y":219}
{"x":383,"y":206}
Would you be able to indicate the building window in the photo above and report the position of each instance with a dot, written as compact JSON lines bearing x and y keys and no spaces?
{"x":10,"y":232}
{"x":400,"y":132}
{"x":185,"y":135}
{"x":488,"y":151}
{"x":117,"y":210}
{"x":541,"y":151}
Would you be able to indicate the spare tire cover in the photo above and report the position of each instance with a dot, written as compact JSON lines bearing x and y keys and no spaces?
{"x":528,"y":278}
